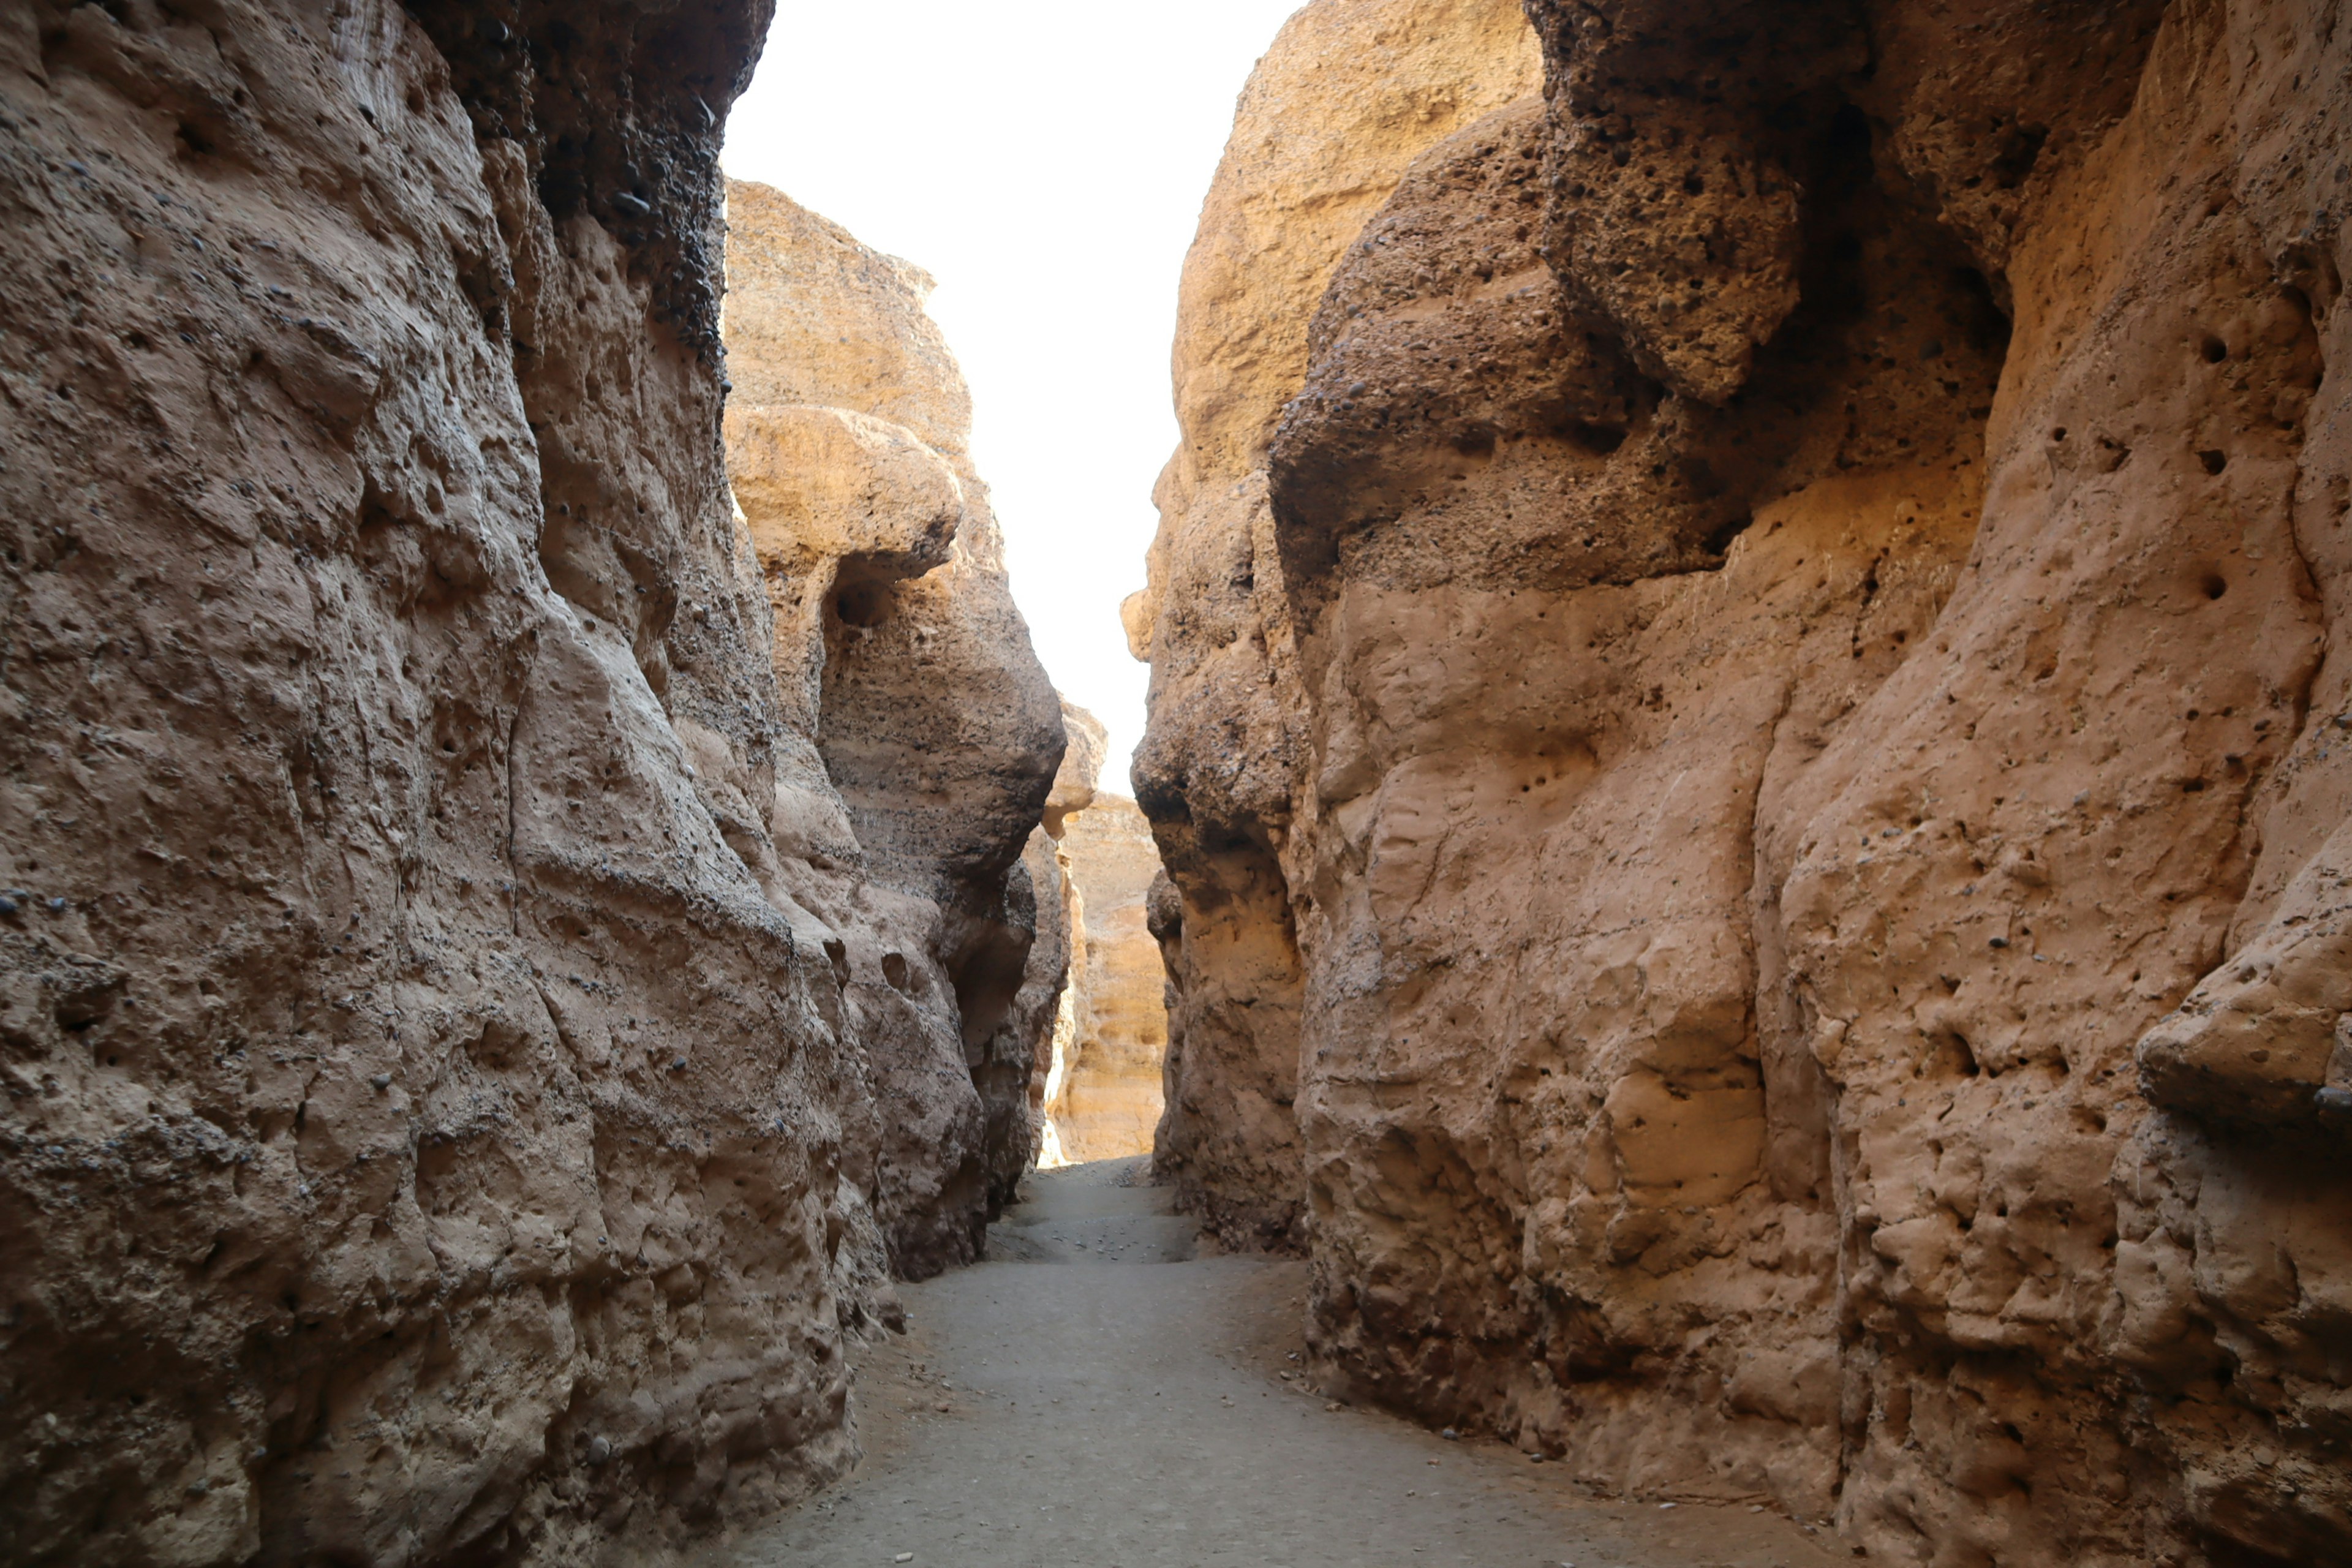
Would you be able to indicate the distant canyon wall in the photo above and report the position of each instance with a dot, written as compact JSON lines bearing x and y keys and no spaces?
{"x":1104,"y":1100}
{"x":1099,"y":1097}
{"x":1747,"y":728}
{"x":477,"y":1041}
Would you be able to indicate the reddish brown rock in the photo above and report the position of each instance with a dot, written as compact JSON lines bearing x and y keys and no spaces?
{"x":1795,"y":595}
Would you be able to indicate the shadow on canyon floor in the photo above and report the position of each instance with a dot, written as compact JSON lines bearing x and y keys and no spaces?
{"x":1097,"y":1394}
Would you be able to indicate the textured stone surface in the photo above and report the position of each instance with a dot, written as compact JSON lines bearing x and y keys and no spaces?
{"x":1347,"y":96}
{"x":1087,"y":743}
{"x":1105,"y":1099}
{"x":435,"y":1130}
{"x":1766,"y":740}
{"x":925,"y":736}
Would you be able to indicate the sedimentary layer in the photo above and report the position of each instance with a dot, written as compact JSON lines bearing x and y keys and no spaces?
{"x":449,"y":1004}
{"x":1748,"y":747}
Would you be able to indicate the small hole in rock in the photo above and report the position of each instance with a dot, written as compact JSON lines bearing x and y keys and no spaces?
{"x":862,"y":605}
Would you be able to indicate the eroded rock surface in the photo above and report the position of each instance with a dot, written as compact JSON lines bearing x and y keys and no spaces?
{"x":1106,"y":1098}
{"x":1757,"y":749}
{"x":925,"y":736}
{"x":448,"y":1033}
{"x":1349,"y":94}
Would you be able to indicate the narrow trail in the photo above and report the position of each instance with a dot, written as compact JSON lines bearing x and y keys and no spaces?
{"x":1096,"y":1396}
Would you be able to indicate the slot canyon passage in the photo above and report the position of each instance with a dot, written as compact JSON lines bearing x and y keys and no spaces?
{"x":1732,"y":944}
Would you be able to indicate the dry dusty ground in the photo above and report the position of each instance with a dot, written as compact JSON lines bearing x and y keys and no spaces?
{"x":1097,"y":1396}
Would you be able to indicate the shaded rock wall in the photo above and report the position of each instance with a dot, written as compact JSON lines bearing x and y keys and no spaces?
{"x":1105,"y":1099}
{"x":1781,"y":693}
{"x":435,"y":1128}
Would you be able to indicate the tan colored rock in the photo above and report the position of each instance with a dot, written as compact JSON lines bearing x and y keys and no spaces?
{"x":1810,"y":828}
{"x":1349,"y":94}
{"x":917,"y":699}
{"x":1105,"y":1099}
{"x":1074,"y":783}
{"x":815,"y":318}
{"x":436,"y":1129}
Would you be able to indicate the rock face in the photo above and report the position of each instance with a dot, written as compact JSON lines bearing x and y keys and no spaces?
{"x":922,"y":733}
{"x":1105,"y":1099}
{"x":1758,"y":747}
{"x":1351,"y":92}
{"x":437,"y":1128}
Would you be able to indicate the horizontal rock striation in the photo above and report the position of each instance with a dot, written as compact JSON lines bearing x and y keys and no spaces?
{"x":1751,"y":773}
{"x":437,"y":1127}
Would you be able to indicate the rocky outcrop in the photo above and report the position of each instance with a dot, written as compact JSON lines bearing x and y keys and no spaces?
{"x":1100,"y":1097}
{"x":922,"y":733}
{"x":437,"y":1127}
{"x":1351,"y":92}
{"x":1105,"y":1099}
{"x":1765,"y":737}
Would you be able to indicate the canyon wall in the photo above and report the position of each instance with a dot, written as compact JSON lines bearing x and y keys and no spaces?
{"x":920,"y":734}
{"x":1350,"y":93}
{"x":1106,"y":1100}
{"x":461,"y":1103}
{"x":1749,"y":744}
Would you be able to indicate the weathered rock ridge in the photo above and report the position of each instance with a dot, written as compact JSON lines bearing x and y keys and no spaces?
{"x":476,"y":1042}
{"x":1749,"y":741}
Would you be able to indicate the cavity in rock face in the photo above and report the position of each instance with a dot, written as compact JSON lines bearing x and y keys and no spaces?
{"x":434,"y":1129}
{"x":1744,"y":752}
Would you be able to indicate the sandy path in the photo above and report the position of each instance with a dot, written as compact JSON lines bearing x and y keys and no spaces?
{"x":1112,"y":1402}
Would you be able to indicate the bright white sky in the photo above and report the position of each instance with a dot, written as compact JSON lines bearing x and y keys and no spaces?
{"x":1044,"y":160}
